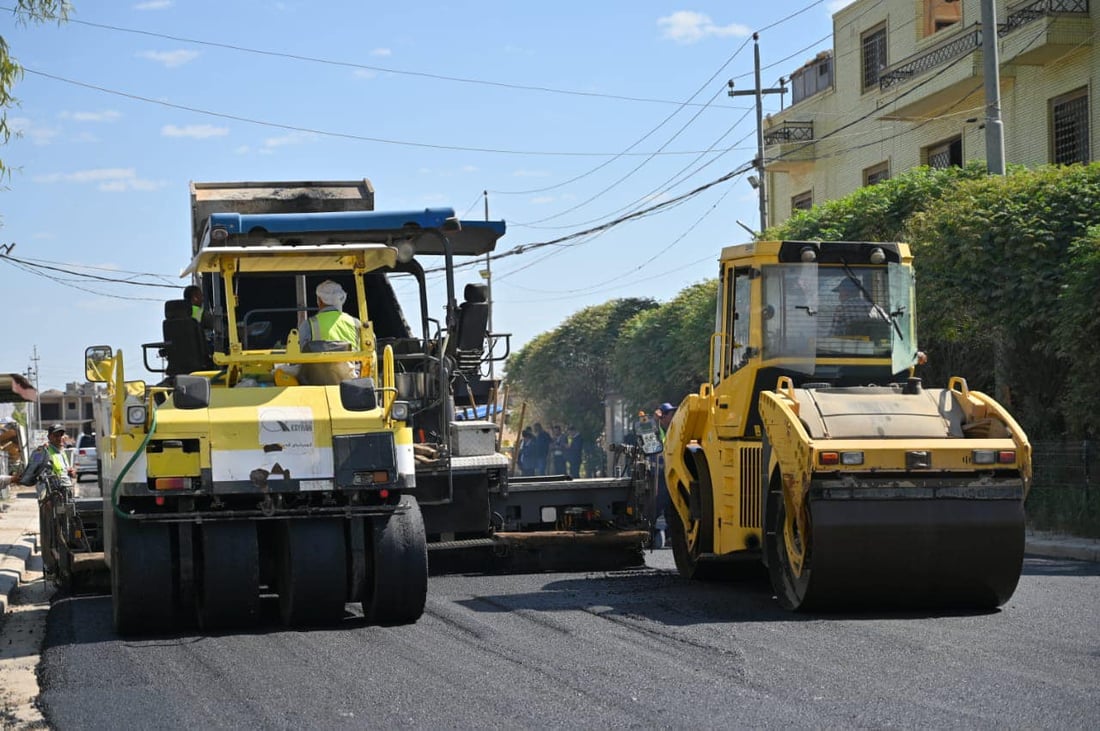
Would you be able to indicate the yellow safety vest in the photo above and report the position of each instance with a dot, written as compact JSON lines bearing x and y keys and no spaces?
{"x":334,"y":325}
{"x":57,"y":460}
{"x":196,"y":312}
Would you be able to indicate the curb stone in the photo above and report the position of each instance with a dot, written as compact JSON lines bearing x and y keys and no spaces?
{"x":18,"y":540}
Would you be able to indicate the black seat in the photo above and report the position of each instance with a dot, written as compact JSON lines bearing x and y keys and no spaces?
{"x":468,"y":345}
{"x":185,"y":347}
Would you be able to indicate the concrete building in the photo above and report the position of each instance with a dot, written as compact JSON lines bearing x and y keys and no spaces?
{"x":72,"y":407}
{"x":904,"y":86}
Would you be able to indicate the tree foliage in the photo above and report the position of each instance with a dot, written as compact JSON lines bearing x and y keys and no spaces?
{"x":35,"y":11}
{"x":661,"y":354}
{"x":1004,"y":295}
{"x":563,"y":374}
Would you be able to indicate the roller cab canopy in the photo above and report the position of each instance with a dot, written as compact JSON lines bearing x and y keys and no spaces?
{"x":423,"y":229}
{"x":14,"y":388}
{"x":313,"y":258}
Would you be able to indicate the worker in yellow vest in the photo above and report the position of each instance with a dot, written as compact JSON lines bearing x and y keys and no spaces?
{"x":50,"y":460}
{"x":330,"y":329}
{"x":331,"y":324}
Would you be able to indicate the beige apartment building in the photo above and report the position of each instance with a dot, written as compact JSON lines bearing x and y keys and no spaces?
{"x":904,"y":86}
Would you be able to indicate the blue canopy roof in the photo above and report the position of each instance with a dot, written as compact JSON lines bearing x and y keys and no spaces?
{"x":467,"y":238}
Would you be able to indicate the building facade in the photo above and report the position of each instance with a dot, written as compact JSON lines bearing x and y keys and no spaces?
{"x":71,"y":407}
{"x":904,"y":86}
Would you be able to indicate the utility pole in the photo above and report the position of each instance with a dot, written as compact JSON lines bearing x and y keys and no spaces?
{"x":994,"y":129}
{"x":758,"y":163}
{"x":488,"y":274}
{"x":32,"y":372}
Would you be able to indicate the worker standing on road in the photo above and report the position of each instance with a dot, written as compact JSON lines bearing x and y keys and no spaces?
{"x":663,"y":503}
{"x":49,"y":459}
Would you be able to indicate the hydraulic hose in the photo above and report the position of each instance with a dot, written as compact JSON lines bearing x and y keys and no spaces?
{"x":126,"y":468}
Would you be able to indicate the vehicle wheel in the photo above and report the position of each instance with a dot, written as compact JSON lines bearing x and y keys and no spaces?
{"x":789,"y":543}
{"x":227,"y":575}
{"x":397,"y":586}
{"x":142,"y":577}
{"x":311,"y":572}
{"x":691,"y":539}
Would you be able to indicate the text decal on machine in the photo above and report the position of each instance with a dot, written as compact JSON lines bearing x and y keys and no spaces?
{"x":288,"y":427}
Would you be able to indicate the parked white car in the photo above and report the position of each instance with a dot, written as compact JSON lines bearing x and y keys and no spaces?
{"x":85,"y":459}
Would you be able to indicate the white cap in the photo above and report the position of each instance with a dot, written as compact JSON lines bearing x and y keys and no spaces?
{"x":331,"y":293}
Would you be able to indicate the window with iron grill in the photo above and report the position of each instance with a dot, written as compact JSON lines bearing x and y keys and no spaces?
{"x":944,"y":154}
{"x":874,"y":56}
{"x":876,"y":173}
{"x":803,"y":201}
{"x":1070,"y":128}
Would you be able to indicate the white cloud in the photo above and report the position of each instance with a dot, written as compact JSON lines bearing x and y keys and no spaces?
{"x":106,"y":115}
{"x":292,"y":138}
{"x":543,"y":199}
{"x":469,"y":168}
{"x":195,"y":131}
{"x":242,"y":150}
{"x":110,"y":180}
{"x":27,"y":128}
{"x":364,"y":74}
{"x":154,"y":5}
{"x":381,"y":52}
{"x":688,"y":26}
{"x":170,"y":59}
{"x":835,"y":5}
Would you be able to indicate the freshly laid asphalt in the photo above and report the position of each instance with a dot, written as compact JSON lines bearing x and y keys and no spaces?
{"x":19,"y":541}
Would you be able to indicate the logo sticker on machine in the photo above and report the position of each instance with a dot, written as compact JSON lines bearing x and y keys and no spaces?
{"x":288,"y":429}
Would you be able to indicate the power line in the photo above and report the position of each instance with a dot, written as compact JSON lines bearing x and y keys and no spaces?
{"x":637,"y":142}
{"x":524,"y":248}
{"x":64,"y":283}
{"x":113,"y":280}
{"x":328,"y":133}
{"x":636,"y":168}
{"x":365,"y":67}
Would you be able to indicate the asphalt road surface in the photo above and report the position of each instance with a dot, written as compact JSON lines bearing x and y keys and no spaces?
{"x":638,"y":648}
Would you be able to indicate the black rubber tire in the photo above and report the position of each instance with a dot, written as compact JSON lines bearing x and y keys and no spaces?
{"x":142,"y":577}
{"x":312,"y":572}
{"x":791,"y":590}
{"x":227,"y":575}
{"x":397,"y":587}
{"x":689,"y":557}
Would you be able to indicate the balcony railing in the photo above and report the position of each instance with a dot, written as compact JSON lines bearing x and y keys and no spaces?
{"x":925,"y":61}
{"x":1021,"y":15}
{"x":971,"y":39}
{"x":789,"y":132}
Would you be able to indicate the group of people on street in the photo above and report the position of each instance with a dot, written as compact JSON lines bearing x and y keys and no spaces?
{"x":555,"y":452}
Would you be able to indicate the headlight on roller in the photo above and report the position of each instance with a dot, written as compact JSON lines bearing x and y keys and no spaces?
{"x":135,"y":415}
{"x":400,"y":410}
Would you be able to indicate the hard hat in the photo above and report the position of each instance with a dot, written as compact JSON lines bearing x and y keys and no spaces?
{"x":54,"y":428}
{"x":331,"y":293}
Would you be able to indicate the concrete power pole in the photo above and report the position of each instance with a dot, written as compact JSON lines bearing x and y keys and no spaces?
{"x":994,"y":129}
{"x":758,"y":163}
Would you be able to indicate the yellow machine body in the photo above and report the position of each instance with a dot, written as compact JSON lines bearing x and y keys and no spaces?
{"x":814,"y":449}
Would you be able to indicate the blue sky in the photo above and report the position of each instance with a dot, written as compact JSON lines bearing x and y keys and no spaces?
{"x":570,"y":114}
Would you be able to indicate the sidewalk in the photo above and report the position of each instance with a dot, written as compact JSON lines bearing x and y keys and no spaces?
{"x":1052,"y":545}
{"x":18,"y":539}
